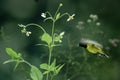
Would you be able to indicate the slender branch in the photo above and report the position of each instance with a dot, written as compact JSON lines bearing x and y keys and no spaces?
{"x":51,"y":48}
{"x":49,"y":60}
{"x":26,"y":62}
{"x":49,"y":13}
{"x":64,"y":15}
{"x":33,"y":24}
{"x":52,"y":76}
{"x":53,"y":27}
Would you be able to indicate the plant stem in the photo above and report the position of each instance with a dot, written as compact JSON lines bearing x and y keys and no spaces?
{"x":26,"y":62}
{"x":64,"y":15}
{"x":33,"y":24}
{"x":52,"y":77}
{"x":53,"y":27}
{"x":49,"y":14}
{"x":50,"y":54}
{"x":51,"y":47}
{"x":52,"y":34}
{"x":49,"y":60}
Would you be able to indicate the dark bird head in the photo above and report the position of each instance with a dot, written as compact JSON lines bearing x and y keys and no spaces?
{"x":83,"y":45}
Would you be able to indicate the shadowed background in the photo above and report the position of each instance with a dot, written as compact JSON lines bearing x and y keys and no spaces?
{"x":14,"y":12}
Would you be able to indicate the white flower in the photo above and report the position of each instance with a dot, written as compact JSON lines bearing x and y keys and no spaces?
{"x":62,"y":33}
{"x":60,"y":41}
{"x":28,"y":33}
{"x":89,"y":20}
{"x":80,"y":25}
{"x":94,"y":17}
{"x":71,"y":17}
{"x":21,"y":25}
{"x":43,"y":15}
{"x":98,"y":23}
{"x":23,"y":30}
{"x":80,"y":22}
{"x":58,"y":38}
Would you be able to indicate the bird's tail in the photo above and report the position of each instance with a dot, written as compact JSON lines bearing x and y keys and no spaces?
{"x":106,"y":55}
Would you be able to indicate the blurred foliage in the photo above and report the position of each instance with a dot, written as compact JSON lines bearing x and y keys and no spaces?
{"x":14,"y":12}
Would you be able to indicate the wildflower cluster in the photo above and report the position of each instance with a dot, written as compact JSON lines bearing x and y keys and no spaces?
{"x":91,"y":21}
{"x":70,"y":17}
{"x":24,"y":30}
{"x":93,"y":18}
{"x":57,"y":15}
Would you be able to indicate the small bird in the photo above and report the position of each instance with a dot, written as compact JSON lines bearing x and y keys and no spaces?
{"x":92,"y":47}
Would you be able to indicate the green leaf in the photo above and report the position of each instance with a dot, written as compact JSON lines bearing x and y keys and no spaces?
{"x":45,"y":72}
{"x":13,"y":60}
{"x":52,"y":66}
{"x":53,"y":63}
{"x":8,"y":61}
{"x":17,"y":63}
{"x":47,"y":38}
{"x":44,"y":66}
{"x":57,"y":45}
{"x":57,"y":16}
{"x":58,"y":68}
{"x":12,"y":53}
{"x":35,"y":73}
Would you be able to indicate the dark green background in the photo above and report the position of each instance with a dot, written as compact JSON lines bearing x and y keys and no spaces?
{"x":14,"y":12}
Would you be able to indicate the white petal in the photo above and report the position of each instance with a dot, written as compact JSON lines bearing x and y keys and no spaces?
{"x":68,"y":19}
{"x":21,"y":25}
{"x":43,"y":15}
{"x":62,"y":33}
{"x":73,"y":15}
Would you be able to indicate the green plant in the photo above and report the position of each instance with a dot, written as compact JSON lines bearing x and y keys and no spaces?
{"x":51,"y":40}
